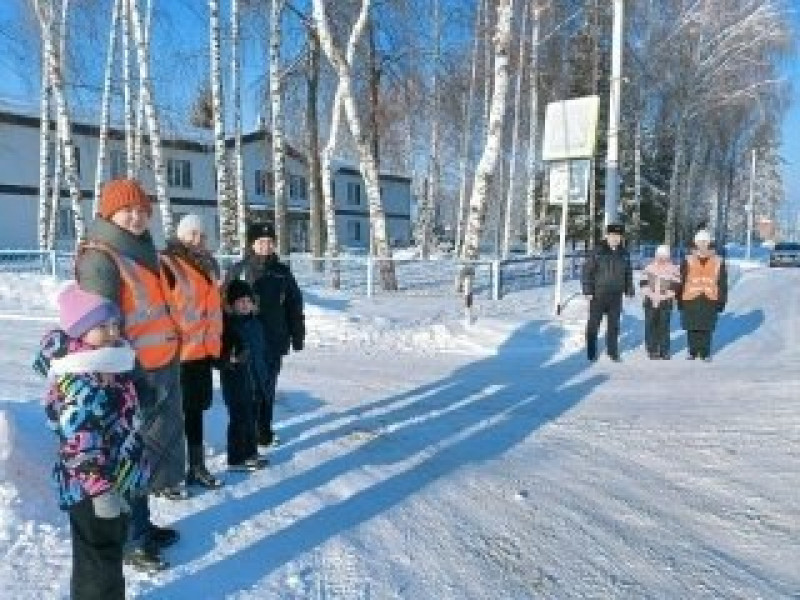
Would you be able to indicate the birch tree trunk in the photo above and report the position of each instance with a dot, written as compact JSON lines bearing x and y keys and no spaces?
{"x":138,"y":137}
{"x":431,"y":197}
{"x":227,"y":216}
{"x":105,"y":111}
{"x":152,"y":120}
{"x":491,"y":152}
{"x":55,"y":74}
{"x":44,"y":159}
{"x":127,"y":91}
{"x":487,"y":65}
{"x":278,"y":145}
{"x":466,"y":139}
{"x":533,"y":133}
{"x":368,"y":167}
{"x":637,"y":182}
{"x":512,"y":170}
{"x":315,"y":180}
{"x":674,"y":186}
{"x":332,"y":241}
{"x":241,"y":199}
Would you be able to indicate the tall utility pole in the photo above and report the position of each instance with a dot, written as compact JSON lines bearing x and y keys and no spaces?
{"x":750,"y":207}
{"x":612,"y":156}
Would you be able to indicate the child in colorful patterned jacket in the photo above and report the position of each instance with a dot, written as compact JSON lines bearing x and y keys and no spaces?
{"x":93,"y":408}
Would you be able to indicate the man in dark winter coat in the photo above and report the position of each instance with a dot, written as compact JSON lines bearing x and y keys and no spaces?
{"x":280,"y":309}
{"x":704,"y":293}
{"x":607,"y":274}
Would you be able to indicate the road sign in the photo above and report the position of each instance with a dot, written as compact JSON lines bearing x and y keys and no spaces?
{"x":569,"y":180}
{"x":570,"y":128}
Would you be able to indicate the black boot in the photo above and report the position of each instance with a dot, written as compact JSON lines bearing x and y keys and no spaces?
{"x":198,"y":473}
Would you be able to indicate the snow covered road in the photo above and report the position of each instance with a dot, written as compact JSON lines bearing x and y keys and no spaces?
{"x":423,"y":461}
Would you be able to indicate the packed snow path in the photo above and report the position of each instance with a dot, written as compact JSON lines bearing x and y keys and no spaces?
{"x":507,"y":468}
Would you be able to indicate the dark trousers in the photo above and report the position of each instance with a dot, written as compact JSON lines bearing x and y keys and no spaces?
{"x":242,"y":410}
{"x":140,"y":520}
{"x":193,"y":422}
{"x":609,"y":305}
{"x":96,"y":554}
{"x":266,"y":401}
{"x":656,"y":327}
{"x":699,"y":343}
{"x":197,"y":389}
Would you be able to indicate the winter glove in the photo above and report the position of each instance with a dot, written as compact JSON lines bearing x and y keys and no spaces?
{"x":55,"y":344}
{"x":720,"y":308}
{"x":297,"y":344}
{"x":109,"y":505}
{"x":630,"y":294}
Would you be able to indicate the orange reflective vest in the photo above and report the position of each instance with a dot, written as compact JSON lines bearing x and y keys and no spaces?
{"x":701,"y":278}
{"x":147,"y":323}
{"x":197,"y":307}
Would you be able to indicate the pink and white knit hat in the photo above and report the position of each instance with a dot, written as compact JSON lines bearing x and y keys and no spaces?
{"x":79,"y":310}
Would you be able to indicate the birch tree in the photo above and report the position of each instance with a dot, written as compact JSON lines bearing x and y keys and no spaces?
{"x":278,"y":144}
{"x":533,"y":133}
{"x":466,"y":141}
{"x":515,"y":135}
{"x":315,"y":180}
{"x":154,"y":125}
{"x":492,"y":148}
{"x":431,"y":197}
{"x":368,"y":168}
{"x":44,"y":11}
{"x":227,"y":216}
{"x":138,"y":136}
{"x":44,"y":159}
{"x":105,"y":110}
{"x":241,"y":199}
{"x":127,"y":87}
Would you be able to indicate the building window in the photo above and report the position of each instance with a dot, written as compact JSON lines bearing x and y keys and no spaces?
{"x":354,"y":194}
{"x":265,"y":182}
{"x":298,"y":187}
{"x":66,"y":223}
{"x":354,"y":231}
{"x":179,"y":173}
{"x":118,"y":164}
{"x":77,"y":159}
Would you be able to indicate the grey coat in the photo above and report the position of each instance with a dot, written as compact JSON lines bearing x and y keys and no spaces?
{"x":159,"y":389}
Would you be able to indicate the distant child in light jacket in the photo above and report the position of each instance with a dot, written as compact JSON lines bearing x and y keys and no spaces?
{"x":245,"y":375}
{"x":660,"y":281}
{"x":93,"y":408}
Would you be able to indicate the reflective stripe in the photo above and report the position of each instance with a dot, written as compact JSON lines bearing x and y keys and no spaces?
{"x":153,"y":339}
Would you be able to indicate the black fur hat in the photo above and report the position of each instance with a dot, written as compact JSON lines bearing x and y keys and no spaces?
{"x":615,"y":228}
{"x":257,"y":231}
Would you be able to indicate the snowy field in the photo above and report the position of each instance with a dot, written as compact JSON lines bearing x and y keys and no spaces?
{"x":427,"y":460}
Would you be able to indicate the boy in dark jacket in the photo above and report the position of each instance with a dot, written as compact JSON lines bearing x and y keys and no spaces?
{"x":93,"y":408}
{"x":245,"y":375}
{"x":280,"y":310}
{"x":607,"y":274}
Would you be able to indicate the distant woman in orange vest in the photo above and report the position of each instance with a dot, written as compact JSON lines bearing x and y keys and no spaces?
{"x":192,"y":274}
{"x":120,"y":262}
{"x":703,"y":294}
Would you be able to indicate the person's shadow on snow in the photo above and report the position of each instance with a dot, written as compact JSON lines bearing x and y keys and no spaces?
{"x":475,"y":414}
{"x":730,"y":329}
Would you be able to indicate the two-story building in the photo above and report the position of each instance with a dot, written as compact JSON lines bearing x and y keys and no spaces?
{"x":189,"y":160}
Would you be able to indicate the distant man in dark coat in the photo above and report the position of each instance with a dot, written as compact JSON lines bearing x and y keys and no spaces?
{"x":607,"y":275}
{"x":280,"y":309}
{"x":704,"y":293}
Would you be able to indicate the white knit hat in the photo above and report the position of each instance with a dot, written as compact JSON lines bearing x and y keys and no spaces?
{"x":663,"y":251}
{"x":188,"y":224}
{"x":702,"y":236}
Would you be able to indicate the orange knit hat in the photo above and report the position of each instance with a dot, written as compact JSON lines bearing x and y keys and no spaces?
{"x":122,"y":193}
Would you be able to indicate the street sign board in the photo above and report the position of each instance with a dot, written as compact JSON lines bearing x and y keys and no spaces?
{"x":569,"y":180}
{"x":570,"y":128}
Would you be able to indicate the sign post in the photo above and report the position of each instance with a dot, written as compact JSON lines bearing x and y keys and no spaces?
{"x":569,"y":141}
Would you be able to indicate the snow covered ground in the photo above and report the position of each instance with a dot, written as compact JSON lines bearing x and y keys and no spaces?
{"x":426,"y":460}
